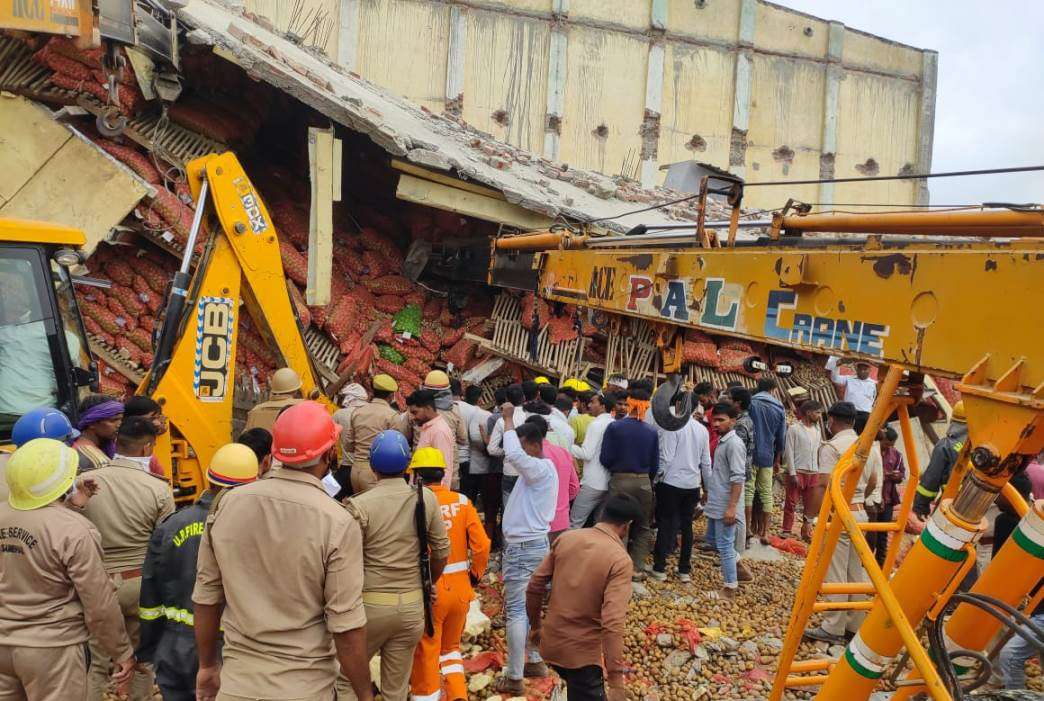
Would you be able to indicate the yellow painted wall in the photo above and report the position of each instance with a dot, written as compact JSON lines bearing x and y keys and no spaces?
{"x":403,"y":45}
{"x":786,"y":117}
{"x":891,"y":106}
{"x":515,"y":51}
{"x":715,"y":21}
{"x":605,"y":85}
{"x":285,"y":14}
{"x":697,"y":102}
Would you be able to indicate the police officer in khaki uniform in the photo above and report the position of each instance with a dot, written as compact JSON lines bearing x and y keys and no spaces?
{"x":364,"y":424}
{"x":284,"y":390}
{"x":54,"y":588}
{"x":130,"y":504}
{"x":280,"y":566}
{"x":392,"y":588}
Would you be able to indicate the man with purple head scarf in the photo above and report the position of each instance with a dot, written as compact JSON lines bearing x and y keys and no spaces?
{"x":100,"y":419}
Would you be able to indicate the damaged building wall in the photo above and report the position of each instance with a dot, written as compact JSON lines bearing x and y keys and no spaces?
{"x":763,"y":90}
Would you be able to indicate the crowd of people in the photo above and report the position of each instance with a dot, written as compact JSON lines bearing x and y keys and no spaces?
{"x":323,"y":540}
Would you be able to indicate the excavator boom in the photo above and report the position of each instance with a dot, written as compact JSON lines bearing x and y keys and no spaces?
{"x":240,"y":271}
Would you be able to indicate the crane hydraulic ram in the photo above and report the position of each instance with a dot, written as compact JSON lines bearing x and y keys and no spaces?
{"x":922,"y":297}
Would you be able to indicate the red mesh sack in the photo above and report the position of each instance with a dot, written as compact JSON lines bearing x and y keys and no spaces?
{"x":295,"y":263}
{"x":530,"y":303}
{"x":342,"y":319}
{"x":705,"y":354}
{"x":128,"y":298}
{"x":389,"y":285}
{"x":432,"y":309}
{"x":119,"y":272}
{"x":298,"y":301}
{"x":561,"y":329}
{"x":461,"y":353}
{"x":389,"y":304}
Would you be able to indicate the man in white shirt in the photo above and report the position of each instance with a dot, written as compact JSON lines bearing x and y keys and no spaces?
{"x":562,"y":434}
{"x":860,"y":390}
{"x":844,"y":564}
{"x":495,"y":447}
{"x":684,"y":456}
{"x":801,"y":458}
{"x":594,"y":482}
{"x":468,"y":485}
{"x":527,"y":521}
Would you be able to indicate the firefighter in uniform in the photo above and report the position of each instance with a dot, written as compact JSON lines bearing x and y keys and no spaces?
{"x":392,"y":583}
{"x":130,"y":503}
{"x":54,"y":588}
{"x":284,"y":390}
{"x":437,"y":662}
{"x":940,"y":465}
{"x":363,"y":426}
{"x":169,"y":574}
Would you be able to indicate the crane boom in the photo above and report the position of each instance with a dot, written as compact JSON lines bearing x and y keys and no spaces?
{"x":934,"y":307}
{"x":945,"y":305}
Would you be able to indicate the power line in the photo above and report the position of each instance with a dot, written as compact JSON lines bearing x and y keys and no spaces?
{"x":872,"y":178}
{"x":922,"y":176}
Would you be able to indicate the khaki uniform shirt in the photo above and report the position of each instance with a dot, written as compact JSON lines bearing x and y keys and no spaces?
{"x":264,"y":415}
{"x":365,"y":423}
{"x":343,"y":418}
{"x":830,"y":453}
{"x":129,"y":505}
{"x":391,"y":556}
{"x":53,"y":586}
{"x":286,"y":561}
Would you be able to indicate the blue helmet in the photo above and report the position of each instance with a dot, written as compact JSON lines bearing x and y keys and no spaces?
{"x":389,"y":453}
{"x":43,"y":423}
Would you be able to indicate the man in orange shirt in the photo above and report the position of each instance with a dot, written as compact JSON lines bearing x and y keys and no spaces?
{"x":439,"y":654}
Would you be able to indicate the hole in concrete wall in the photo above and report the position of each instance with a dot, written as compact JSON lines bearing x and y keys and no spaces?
{"x":907,"y":169}
{"x":808,"y":31}
{"x":700,"y":4}
{"x":696,"y":143}
{"x":502,"y":118}
{"x":601,"y":131}
{"x":870,"y":167}
{"x":783,"y":154}
{"x":754,"y":165}
{"x":553,"y":123}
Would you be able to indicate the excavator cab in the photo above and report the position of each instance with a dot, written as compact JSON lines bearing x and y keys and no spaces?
{"x":44,"y":357}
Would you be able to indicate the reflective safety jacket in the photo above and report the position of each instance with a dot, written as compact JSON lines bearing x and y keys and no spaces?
{"x":168,"y":577}
{"x":940,"y":465}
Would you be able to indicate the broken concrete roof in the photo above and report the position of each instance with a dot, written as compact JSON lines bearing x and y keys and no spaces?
{"x":437,"y":142}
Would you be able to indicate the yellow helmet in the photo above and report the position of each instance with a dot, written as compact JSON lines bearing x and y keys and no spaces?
{"x":233,"y":464}
{"x":285,"y":381}
{"x":39,"y":472}
{"x":583,"y":386}
{"x":958,"y":412}
{"x":541,"y":380}
{"x":437,"y":379}
{"x":427,"y":457}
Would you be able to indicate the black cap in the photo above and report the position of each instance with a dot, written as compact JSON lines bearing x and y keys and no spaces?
{"x":843,"y":410}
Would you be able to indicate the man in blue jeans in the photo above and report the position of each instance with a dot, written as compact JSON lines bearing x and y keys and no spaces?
{"x":723,"y":490}
{"x":527,"y":520}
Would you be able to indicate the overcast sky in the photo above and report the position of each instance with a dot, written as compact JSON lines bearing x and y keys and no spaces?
{"x":990,"y":104}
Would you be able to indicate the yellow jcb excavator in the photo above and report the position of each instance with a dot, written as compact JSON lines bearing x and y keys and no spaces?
{"x":44,"y":358}
{"x":956,"y":294}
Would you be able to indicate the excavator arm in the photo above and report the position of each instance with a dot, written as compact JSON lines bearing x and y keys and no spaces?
{"x":240,"y":271}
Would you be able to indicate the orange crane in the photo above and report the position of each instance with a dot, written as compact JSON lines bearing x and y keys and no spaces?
{"x":915,"y":293}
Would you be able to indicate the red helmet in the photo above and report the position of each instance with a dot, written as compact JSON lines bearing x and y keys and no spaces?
{"x":302,"y":433}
